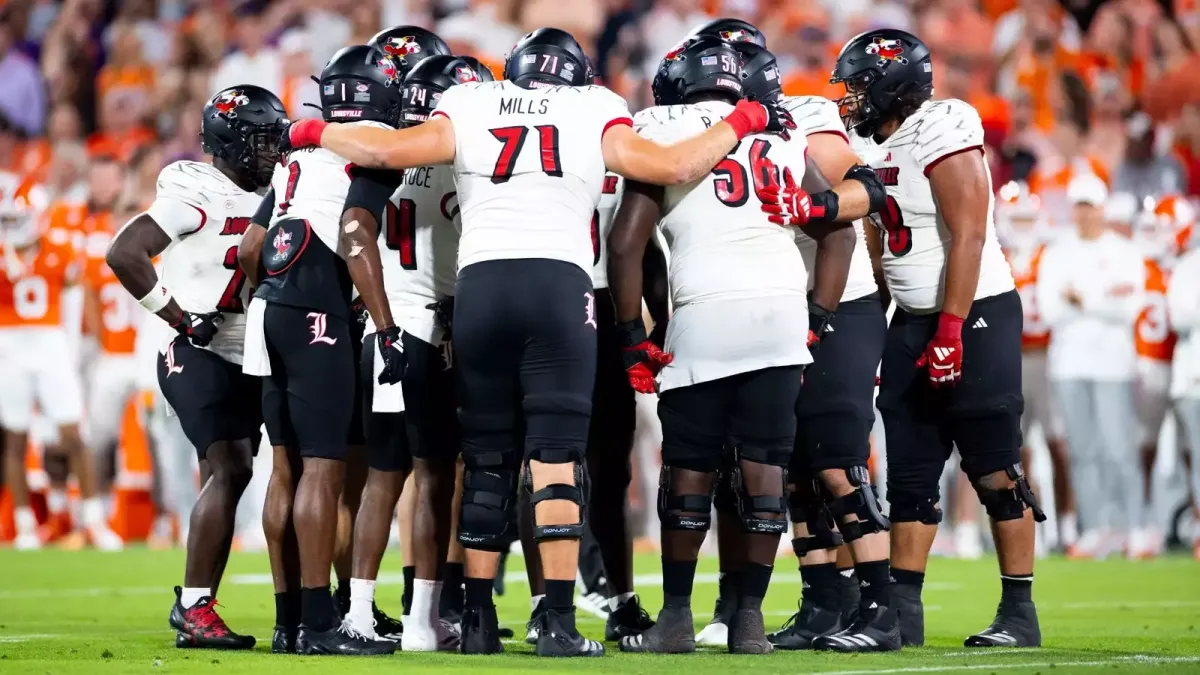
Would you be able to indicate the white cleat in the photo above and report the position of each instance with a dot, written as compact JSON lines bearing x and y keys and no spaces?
{"x":715,"y":634}
{"x":593,"y":603}
{"x":439,"y":638}
{"x":104,"y":539}
{"x":27,"y":542}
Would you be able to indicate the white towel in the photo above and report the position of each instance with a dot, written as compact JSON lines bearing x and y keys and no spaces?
{"x":387,"y":398}
{"x":255,"y":360}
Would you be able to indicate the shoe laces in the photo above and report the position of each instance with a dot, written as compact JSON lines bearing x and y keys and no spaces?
{"x":347,"y":628}
{"x":205,"y":617}
{"x":642,"y":617}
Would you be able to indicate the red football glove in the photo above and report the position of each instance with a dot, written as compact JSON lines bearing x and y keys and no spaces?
{"x":944,"y":353}
{"x":305,"y":133}
{"x":752,"y":117}
{"x":643,"y":359}
{"x":791,"y":205}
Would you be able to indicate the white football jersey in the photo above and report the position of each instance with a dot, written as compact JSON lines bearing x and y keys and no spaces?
{"x":205,"y":214}
{"x":420,"y":231}
{"x":819,"y":115}
{"x":610,"y":198}
{"x":312,"y":186}
{"x":738,"y":282}
{"x":529,"y":168}
{"x":917,"y":241}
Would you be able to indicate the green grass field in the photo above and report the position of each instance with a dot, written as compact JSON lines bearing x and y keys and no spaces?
{"x":107,"y":613}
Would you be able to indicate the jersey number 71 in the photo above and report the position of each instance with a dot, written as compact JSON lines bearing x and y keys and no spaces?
{"x":513,"y":139}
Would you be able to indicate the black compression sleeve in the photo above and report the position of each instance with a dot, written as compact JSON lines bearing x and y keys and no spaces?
{"x":263,"y":215}
{"x":371,"y":188}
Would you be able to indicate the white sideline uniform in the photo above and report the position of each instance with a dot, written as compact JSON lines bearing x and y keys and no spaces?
{"x":818,"y":115}
{"x":738,"y":281}
{"x":914,"y":273}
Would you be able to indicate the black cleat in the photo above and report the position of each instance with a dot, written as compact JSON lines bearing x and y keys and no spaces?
{"x":906,"y":600}
{"x":386,"y":628}
{"x":747,"y":634}
{"x":199,"y":626}
{"x":534,"y":627}
{"x":877,"y":629}
{"x":806,"y":625}
{"x":340,"y":640}
{"x":284,"y":640}
{"x":480,"y":631}
{"x":629,"y":618}
{"x":558,"y":637}
{"x":672,"y":633}
{"x":1016,"y":625}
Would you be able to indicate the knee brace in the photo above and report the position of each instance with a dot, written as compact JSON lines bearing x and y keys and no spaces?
{"x":749,"y":505}
{"x":686,"y":511}
{"x":1009,"y":503}
{"x":576,"y":493}
{"x":805,"y":506}
{"x":488,"y":504}
{"x":863,"y":503}
{"x":909,"y":509}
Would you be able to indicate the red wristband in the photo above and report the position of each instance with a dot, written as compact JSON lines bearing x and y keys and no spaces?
{"x":740,"y":123}
{"x":306,"y":133}
{"x":949,"y":326}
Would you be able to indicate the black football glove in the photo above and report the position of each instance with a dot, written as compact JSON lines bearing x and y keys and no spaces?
{"x":443,"y":313}
{"x":200,"y":329}
{"x":389,"y":343}
{"x":359,"y":306}
{"x":779,"y":120}
{"x":818,"y":325}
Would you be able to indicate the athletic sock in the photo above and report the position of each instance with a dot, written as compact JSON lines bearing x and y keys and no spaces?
{"x":819,"y":583}
{"x":752,"y":587}
{"x":287,"y":609}
{"x":560,"y":595}
{"x":316,"y":609}
{"x":410,"y":573}
{"x":479,"y":593}
{"x":908,"y":578}
{"x":1016,"y":587}
{"x":56,"y":500}
{"x":452,"y":581}
{"x":26,"y":521}
{"x":190,"y":596}
{"x":874,"y":583}
{"x":678,"y":576}
{"x":361,"y":593}
{"x":93,"y":512}
{"x":727,"y":584}
{"x":535,"y":600}
{"x":341,"y":594}
{"x":424,"y":602}
{"x":617,"y":600}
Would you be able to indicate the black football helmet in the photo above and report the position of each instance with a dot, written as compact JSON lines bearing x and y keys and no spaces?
{"x":762,"y":82}
{"x":242,"y":126}
{"x":481,"y":69}
{"x":425,"y":83}
{"x":887,"y":74}
{"x":361,"y":83}
{"x":732,"y":30}
{"x":699,"y":64}
{"x":408,"y":46}
{"x":548,"y":57}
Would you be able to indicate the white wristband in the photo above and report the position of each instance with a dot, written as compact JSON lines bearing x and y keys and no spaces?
{"x":156,"y":299}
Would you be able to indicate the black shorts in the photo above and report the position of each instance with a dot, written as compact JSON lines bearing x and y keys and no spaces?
{"x":836,"y":408}
{"x":981,"y":414}
{"x":308,"y":400}
{"x":525,"y":346}
{"x":214,"y":399}
{"x":614,"y":414}
{"x":754,"y":411}
{"x":428,"y":428}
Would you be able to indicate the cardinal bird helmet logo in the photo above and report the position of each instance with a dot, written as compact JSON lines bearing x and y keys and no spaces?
{"x":464,"y":74}
{"x":388,"y":68}
{"x":887,"y":50}
{"x":228,"y":102}
{"x":738,"y":35}
{"x":402,"y":46}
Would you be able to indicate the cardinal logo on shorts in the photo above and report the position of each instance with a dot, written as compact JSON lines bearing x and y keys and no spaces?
{"x":172,"y":368}
{"x":282,"y":243}
{"x":591,"y":310}
{"x":318,"y":329}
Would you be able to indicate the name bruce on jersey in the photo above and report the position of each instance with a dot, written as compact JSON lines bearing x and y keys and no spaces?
{"x":520,"y":106}
{"x":418,"y":176}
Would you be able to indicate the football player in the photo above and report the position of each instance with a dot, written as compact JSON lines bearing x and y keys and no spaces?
{"x":411,"y":285}
{"x":299,"y":337}
{"x":951,"y":368}
{"x":835,"y":411}
{"x":524,"y":303}
{"x":37,"y":265}
{"x":1183,"y":307}
{"x":198,"y":218}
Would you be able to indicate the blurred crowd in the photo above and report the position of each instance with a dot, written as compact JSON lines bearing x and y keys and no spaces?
{"x":99,"y":95}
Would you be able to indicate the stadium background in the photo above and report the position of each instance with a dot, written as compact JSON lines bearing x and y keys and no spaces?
{"x":98,"y":96}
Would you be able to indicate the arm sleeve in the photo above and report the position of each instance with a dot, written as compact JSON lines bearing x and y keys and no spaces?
{"x":1121,"y":298}
{"x":815,"y":115}
{"x":1049,"y":290}
{"x":262,"y":215}
{"x":371,"y":188}
{"x":178,"y":208}
{"x":947,"y":128}
{"x":1183,"y":294}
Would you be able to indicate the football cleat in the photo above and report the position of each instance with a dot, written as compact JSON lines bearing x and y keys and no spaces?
{"x":629,"y":618}
{"x":716,"y":633}
{"x":877,"y":629}
{"x":906,"y":600}
{"x":747,"y":634}
{"x":672,"y":633}
{"x":199,"y":626}
{"x":386,"y":628}
{"x":441,"y":638}
{"x":1016,"y":625}
{"x":480,"y":631}
{"x":534,"y":627}
{"x":806,"y":625}
{"x":283,"y":641}
{"x":341,"y":640}
{"x":558,"y":637}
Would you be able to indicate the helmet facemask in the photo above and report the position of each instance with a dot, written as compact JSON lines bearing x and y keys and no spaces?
{"x":855,"y":107}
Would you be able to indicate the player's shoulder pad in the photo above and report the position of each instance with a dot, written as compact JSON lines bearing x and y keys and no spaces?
{"x":455,"y":98}
{"x":193,"y":182}
{"x":815,"y":115}
{"x":949,"y":115}
{"x":667,"y":123}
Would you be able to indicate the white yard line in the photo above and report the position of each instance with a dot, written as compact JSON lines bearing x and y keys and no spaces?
{"x":1140,"y":659}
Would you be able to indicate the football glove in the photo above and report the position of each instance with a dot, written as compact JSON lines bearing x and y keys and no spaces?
{"x":643,"y":359}
{"x":390,"y":346}
{"x":789,"y":204}
{"x":751,"y":117}
{"x":818,"y":324}
{"x":301,"y":134}
{"x":944,"y":353}
{"x":359,"y":307}
{"x":199,"y":329}
{"x":443,"y":313}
